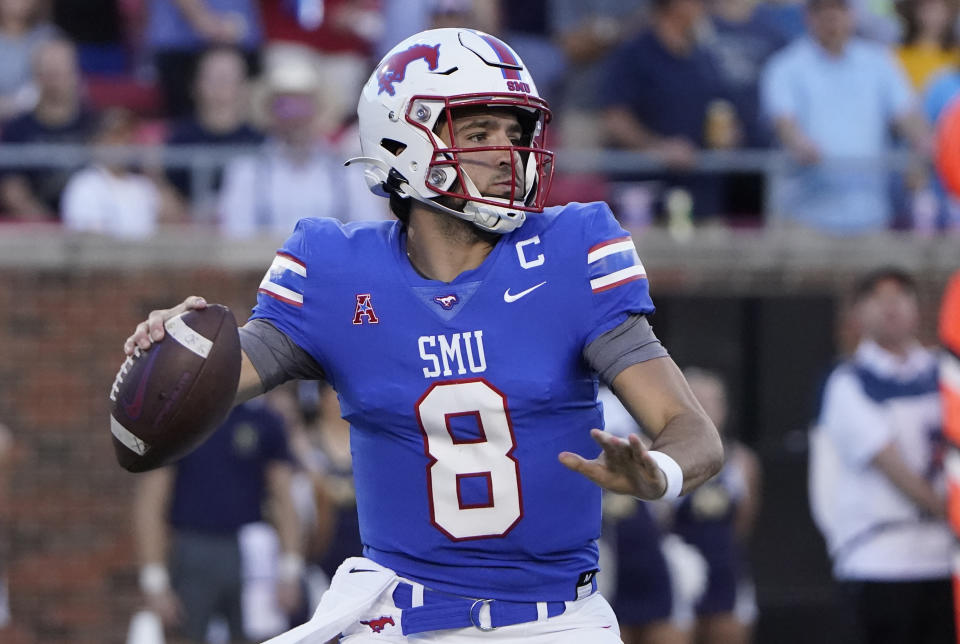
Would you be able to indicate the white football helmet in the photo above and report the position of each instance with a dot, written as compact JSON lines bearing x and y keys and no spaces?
{"x":421,"y":80}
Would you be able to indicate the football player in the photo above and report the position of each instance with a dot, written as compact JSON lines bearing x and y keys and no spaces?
{"x":465,"y":342}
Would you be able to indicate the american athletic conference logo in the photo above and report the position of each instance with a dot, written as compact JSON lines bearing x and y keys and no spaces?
{"x":394,"y":69}
{"x":364,"y":311}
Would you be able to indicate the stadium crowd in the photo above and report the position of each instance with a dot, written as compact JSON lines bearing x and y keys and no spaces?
{"x":259,"y":97}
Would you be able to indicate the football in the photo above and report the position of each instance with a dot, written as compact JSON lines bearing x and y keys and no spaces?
{"x":166,"y":400}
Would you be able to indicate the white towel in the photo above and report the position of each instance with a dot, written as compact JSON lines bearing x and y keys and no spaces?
{"x":351,"y":594}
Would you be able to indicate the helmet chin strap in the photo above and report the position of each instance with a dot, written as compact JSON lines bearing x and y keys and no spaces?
{"x":494,"y":219}
{"x":502,"y":218}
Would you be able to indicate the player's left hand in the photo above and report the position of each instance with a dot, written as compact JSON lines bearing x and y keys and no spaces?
{"x":624,"y":466}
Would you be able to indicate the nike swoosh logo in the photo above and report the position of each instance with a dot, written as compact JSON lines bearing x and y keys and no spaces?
{"x":361,"y":570}
{"x":511,"y":297}
{"x":134,"y":408}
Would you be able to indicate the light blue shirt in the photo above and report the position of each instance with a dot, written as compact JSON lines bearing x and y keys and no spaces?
{"x":940,"y":92}
{"x":845,"y":105}
{"x":168,"y":29}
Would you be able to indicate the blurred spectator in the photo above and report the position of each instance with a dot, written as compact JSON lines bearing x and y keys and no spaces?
{"x":469,"y":14}
{"x":334,"y":528}
{"x":587,"y":31}
{"x":341,"y":32}
{"x":877,"y":20}
{"x":717,"y":518}
{"x":930,"y":39}
{"x":645,"y":597}
{"x":526,"y":26}
{"x":97,"y":28}
{"x":940,"y":93}
{"x":178,"y":31}
{"x":644,"y":593}
{"x":191,"y":514}
{"x":876,"y":474}
{"x":664,"y":94}
{"x":109,"y":197}
{"x":786,"y":17}
{"x":832,"y":96}
{"x":742,"y":41}
{"x":22,"y":30}
{"x":329,"y":26}
{"x":221,"y":116}
{"x":59,"y":117}
{"x":297,"y":173}
{"x":403,"y":18}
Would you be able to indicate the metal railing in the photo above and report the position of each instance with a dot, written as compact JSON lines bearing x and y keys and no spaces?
{"x":203,"y":161}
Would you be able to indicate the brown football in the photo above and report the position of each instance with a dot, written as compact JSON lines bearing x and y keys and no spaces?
{"x":165,"y":401}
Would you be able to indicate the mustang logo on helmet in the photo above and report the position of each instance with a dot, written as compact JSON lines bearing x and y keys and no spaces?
{"x":394,"y":69}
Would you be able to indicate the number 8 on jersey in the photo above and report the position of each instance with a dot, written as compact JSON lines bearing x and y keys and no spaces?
{"x":456,"y":462}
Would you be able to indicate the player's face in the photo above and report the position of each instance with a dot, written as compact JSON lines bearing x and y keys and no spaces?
{"x":496,"y":173}
{"x":890,"y":315}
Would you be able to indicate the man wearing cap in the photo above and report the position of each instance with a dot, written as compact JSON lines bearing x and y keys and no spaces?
{"x":297,"y":173}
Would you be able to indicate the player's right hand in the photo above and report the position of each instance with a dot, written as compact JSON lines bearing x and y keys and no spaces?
{"x":151,"y":329}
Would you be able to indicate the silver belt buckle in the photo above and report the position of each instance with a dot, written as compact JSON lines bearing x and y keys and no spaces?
{"x":476,"y":622}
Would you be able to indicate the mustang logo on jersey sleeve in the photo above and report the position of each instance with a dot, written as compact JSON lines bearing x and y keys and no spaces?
{"x":285,"y":279}
{"x":613,"y":263}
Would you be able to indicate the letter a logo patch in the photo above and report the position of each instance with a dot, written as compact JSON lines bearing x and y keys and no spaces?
{"x":364,"y":311}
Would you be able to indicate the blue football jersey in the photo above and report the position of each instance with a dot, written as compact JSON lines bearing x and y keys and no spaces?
{"x":460,"y":395}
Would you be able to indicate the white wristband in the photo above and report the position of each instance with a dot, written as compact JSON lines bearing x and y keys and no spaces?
{"x":154,"y":579}
{"x":672,"y":471}
{"x":290,"y":567}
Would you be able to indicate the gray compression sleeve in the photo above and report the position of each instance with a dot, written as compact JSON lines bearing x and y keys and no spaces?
{"x":630,"y":342}
{"x":275,"y":356}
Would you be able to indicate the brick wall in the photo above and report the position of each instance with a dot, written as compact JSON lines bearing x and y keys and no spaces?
{"x":71,"y":562}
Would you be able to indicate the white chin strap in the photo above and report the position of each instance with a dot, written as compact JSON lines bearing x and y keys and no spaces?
{"x":496,"y":219}
{"x":492,"y":218}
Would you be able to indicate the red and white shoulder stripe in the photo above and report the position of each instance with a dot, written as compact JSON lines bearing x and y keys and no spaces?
{"x":613,"y":263}
{"x":284,"y":280}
